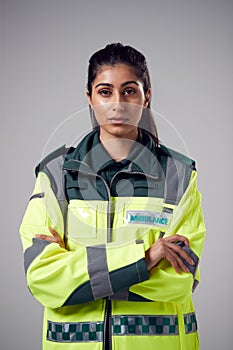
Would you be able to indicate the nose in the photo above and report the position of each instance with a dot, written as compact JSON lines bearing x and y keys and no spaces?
{"x":118,"y":104}
{"x":118,"y":107}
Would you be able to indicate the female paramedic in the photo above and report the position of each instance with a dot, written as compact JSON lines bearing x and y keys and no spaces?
{"x":113,"y":232}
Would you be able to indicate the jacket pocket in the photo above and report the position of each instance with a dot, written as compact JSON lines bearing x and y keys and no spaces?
{"x":81,"y":219}
{"x":87,"y":222}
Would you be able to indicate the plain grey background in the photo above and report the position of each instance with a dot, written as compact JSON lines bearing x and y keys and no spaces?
{"x":45,"y":46}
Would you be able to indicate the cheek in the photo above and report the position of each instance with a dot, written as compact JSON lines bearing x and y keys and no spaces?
{"x":134,"y":111}
{"x":101,"y":110}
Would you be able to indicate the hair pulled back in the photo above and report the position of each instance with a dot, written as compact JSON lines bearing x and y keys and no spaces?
{"x":114,"y":54}
{"x":117,"y":53}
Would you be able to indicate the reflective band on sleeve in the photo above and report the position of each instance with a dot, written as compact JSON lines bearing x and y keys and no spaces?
{"x":195,"y":285}
{"x":121,"y":295}
{"x":32,"y":252}
{"x":98,"y":272}
{"x":75,"y":332}
{"x":193,"y":256}
{"x":145,"y":325}
{"x":190,"y":323}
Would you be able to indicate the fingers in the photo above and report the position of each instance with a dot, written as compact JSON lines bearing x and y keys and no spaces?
{"x":167,"y":248}
{"x":55,"y":239}
{"x":182,"y":253}
{"x":176,"y":262}
{"x":46,"y":238}
{"x":178,"y":238}
{"x":54,"y":233}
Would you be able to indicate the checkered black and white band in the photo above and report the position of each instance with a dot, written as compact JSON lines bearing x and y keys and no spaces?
{"x":121,"y":325}
{"x":190,"y":322}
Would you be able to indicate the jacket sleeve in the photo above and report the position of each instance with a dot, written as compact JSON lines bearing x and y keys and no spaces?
{"x":165,"y":284}
{"x":57,"y":276}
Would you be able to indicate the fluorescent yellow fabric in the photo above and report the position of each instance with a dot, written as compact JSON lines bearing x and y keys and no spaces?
{"x":165,"y":284}
{"x":55,"y":266}
{"x":56,"y":272}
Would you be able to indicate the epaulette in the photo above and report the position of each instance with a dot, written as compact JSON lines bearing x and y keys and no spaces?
{"x":56,"y":153}
{"x":179,"y":156}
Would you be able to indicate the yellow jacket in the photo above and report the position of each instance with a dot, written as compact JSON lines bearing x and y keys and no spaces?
{"x":97,"y":292}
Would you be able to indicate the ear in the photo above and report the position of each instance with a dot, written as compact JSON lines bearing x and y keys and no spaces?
{"x":89,"y":98}
{"x":147,"y":98}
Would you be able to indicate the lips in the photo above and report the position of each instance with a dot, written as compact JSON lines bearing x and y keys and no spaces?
{"x":117,"y":120}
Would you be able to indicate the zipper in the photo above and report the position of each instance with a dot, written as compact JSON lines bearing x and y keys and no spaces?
{"x":133,"y":173}
{"x":107,"y":337}
{"x":108,"y":311}
{"x":107,"y":341}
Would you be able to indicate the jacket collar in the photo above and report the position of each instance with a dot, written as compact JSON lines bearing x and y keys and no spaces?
{"x":90,"y":156}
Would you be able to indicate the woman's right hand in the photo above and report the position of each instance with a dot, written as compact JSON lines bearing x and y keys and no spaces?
{"x":55,"y":239}
{"x":165,"y":248}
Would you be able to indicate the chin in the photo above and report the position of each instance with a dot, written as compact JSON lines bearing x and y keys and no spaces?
{"x":121,"y":130}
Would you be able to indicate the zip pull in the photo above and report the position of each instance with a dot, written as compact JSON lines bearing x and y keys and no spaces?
{"x":37,"y":195}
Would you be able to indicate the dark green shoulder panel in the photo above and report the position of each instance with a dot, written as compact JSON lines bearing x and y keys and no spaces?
{"x":179,"y":156}
{"x":58,"y":152}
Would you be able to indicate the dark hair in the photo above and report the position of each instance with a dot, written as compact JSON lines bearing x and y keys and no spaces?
{"x":117,"y":53}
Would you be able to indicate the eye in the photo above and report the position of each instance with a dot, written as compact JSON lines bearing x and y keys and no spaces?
{"x":104,"y":92}
{"x":129,"y":91}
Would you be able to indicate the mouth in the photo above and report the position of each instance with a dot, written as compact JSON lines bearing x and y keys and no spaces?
{"x":117,"y":120}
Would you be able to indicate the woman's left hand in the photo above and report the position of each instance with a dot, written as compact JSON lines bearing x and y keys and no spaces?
{"x":55,"y":239}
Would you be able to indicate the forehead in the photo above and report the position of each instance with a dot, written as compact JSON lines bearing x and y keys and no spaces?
{"x":118,"y":73}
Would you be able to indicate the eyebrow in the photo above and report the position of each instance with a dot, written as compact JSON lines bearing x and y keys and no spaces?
{"x":123,"y":84}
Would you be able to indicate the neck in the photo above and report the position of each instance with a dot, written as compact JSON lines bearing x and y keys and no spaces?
{"x":118,"y":147}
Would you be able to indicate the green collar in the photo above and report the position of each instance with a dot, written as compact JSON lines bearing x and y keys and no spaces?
{"x":90,"y":156}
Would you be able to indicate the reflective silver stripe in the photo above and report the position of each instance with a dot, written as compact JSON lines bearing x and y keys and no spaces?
{"x":121,"y":325}
{"x":126,"y":325}
{"x":98,"y":271}
{"x":75,"y":332}
{"x":54,"y":167}
{"x":56,"y":175}
{"x":181,"y":167}
{"x":193,"y":256}
{"x":121,"y":295}
{"x":32,"y":252}
{"x":145,"y":325}
{"x":195,"y":285}
{"x":190,"y":323}
{"x":174,"y":186}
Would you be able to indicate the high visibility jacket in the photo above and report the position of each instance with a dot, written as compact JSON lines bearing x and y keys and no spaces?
{"x":98,"y":293}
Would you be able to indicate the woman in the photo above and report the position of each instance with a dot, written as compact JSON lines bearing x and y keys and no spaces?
{"x":114,"y":229}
